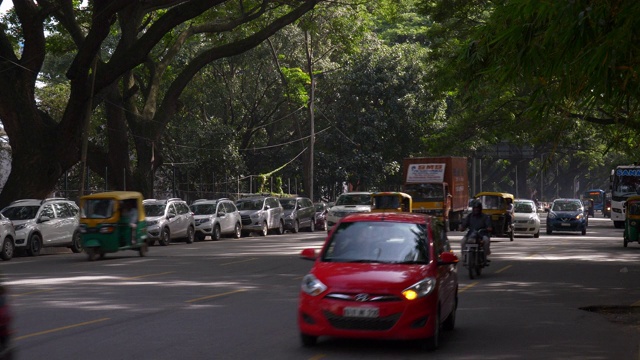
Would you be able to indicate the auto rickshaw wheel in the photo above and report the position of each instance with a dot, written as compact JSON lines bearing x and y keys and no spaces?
{"x":92,"y":254}
{"x":143,"y":250}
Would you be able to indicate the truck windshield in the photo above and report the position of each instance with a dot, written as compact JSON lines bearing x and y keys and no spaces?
{"x":425,"y":192}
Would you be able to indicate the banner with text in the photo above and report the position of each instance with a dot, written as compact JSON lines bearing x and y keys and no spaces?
{"x":425,"y":173}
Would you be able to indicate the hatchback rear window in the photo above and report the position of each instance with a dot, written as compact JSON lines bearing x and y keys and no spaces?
{"x":386,"y":242}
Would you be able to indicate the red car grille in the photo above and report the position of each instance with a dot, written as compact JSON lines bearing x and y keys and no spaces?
{"x":350,"y":323}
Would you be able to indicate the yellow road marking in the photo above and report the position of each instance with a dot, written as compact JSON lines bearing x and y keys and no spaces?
{"x":637,"y":303}
{"x":144,"y":276}
{"x":32,"y":292}
{"x":237,"y":262}
{"x":60,"y":329}
{"x":469,"y":286}
{"x":503,"y":269}
{"x":317,"y":357}
{"x":215,"y":296}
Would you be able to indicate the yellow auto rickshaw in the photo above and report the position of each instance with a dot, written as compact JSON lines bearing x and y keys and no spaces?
{"x":391,"y":201}
{"x":632,"y":220}
{"x":496,"y":205}
{"x":112,"y":221}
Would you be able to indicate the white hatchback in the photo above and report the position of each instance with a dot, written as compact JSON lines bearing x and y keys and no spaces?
{"x":526,"y":220}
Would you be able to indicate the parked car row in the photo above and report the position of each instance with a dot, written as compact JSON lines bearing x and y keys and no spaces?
{"x":29,"y":225}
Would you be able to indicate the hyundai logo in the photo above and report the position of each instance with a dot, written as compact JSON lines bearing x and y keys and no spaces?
{"x":362,"y":297}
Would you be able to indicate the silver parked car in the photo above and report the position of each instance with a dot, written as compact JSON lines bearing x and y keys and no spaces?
{"x":216,"y":218}
{"x":261,"y":214}
{"x":44,"y":223}
{"x":168,"y":220}
{"x":299,"y":213}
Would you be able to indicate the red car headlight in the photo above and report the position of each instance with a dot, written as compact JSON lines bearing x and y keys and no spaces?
{"x":312,"y":286}
{"x":420,"y":289}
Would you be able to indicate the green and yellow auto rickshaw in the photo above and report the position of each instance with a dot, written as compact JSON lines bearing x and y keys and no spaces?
{"x":111,"y":222}
{"x":390,"y":201}
{"x":496,"y":205}
{"x":632,"y":220}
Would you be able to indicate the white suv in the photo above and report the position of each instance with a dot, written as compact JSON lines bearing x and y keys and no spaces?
{"x":261,"y":214}
{"x":168,"y":220}
{"x":45,"y":223}
{"x":347,"y":203}
{"x":216,"y":218}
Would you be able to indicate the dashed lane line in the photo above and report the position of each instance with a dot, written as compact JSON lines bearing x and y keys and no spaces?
{"x":215,"y":296}
{"x":60,"y":329}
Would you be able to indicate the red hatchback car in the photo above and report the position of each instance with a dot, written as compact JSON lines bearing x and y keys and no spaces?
{"x":380,"y":276}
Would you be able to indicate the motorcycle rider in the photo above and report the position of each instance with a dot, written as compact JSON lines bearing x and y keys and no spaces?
{"x":477,"y":221}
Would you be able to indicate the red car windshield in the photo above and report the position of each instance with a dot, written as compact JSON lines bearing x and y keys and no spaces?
{"x":378,"y":241}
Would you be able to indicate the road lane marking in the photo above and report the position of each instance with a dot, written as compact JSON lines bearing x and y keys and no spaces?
{"x":144,"y":276}
{"x":503,"y":269}
{"x":61,"y":328}
{"x":637,"y":303}
{"x":318,"y":357}
{"x":469,"y":286}
{"x":237,"y":262}
{"x":215,"y":296}
{"x":32,"y":292}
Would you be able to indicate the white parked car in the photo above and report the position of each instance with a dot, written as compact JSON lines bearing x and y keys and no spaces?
{"x":526,"y":220}
{"x":44,"y":223}
{"x":216,"y":218}
{"x":347,"y":203}
{"x":168,"y":220}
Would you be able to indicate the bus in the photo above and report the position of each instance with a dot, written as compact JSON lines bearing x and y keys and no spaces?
{"x":625,"y":182}
{"x":599,"y":198}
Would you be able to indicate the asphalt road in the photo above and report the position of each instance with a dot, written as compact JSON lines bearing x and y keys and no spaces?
{"x":236,"y":299}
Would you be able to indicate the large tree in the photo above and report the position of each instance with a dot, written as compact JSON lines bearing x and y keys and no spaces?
{"x":129,"y":58}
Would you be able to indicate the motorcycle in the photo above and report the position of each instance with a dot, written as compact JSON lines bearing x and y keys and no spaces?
{"x":474,"y":256}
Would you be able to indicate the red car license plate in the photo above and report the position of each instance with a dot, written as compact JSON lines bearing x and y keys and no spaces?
{"x":360,"y":312}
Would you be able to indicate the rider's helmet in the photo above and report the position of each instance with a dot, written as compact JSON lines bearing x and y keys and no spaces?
{"x":477,"y":207}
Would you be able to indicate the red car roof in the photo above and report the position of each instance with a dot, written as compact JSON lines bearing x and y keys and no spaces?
{"x":387,"y":216}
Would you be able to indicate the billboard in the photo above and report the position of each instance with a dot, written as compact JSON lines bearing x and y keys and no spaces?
{"x":425,"y":173}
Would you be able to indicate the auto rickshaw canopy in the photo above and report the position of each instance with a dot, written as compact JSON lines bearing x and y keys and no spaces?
{"x":492,"y":200}
{"x":111,"y":206}
{"x":633,"y":207}
{"x":394,"y":201}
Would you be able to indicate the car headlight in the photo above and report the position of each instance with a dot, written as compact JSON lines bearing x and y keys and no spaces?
{"x":420,"y":289}
{"x":152,"y":222}
{"x":312,"y":286}
{"x":20,"y":227}
{"x":552,"y":215}
{"x":532,"y":221}
{"x":256,"y":215}
{"x":579,"y":216}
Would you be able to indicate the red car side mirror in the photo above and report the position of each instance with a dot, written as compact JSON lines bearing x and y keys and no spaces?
{"x":309,"y":254}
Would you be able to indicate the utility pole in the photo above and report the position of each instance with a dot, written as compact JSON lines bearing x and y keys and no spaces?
{"x":85,"y":129}
{"x":309,"y":45}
